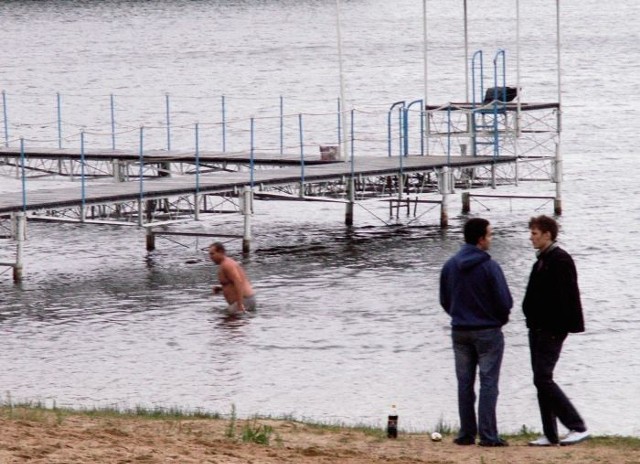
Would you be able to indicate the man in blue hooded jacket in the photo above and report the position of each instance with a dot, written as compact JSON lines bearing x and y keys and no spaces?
{"x":474,"y":292}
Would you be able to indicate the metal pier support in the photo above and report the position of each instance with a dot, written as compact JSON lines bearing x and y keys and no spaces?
{"x":466,"y":203}
{"x":444,"y":190}
{"x":557,"y":202}
{"x":351,"y":193}
{"x":151,"y":239}
{"x":118,"y":170}
{"x":20,"y":229}
{"x":247,"y":196}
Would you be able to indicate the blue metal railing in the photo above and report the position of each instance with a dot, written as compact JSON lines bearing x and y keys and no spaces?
{"x":252,"y":154}
{"x":59,"y":107}
{"x":353,"y":138}
{"x":478,"y":55}
{"x":166,"y":99}
{"x":301,"y":154}
{"x":197,"y":141}
{"x":400,"y":105}
{"x":23,"y":176}
{"x":499,"y":57}
{"x":224,"y":125}
{"x":339,"y":123}
{"x":281,"y":124}
{"x":497,"y":94}
{"x":83,"y":191}
{"x":6,"y":121}
{"x":113,"y":121}
{"x":406,"y":126}
{"x":141,"y":169}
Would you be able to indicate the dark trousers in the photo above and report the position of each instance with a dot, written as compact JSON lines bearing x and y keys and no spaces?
{"x":478,"y":350}
{"x":554,"y":404}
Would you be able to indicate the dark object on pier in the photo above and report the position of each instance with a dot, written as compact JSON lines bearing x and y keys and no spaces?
{"x":502,"y":94}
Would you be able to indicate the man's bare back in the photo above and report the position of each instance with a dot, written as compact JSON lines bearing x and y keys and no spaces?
{"x":234,"y":284}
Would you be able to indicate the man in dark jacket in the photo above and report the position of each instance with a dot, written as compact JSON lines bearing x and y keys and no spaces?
{"x":552,"y":308}
{"x":474,"y":292}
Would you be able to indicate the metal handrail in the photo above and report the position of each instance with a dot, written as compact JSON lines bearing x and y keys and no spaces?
{"x":401,"y":104}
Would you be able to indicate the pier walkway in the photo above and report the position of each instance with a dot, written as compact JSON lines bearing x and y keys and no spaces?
{"x":164,"y":199}
{"x":229,"y":182}
{"x":158,"y":156}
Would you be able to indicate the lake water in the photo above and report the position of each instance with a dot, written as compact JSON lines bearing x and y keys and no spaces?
{"x":349,"y":321}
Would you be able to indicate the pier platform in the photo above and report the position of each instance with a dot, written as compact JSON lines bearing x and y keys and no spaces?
{"x":229,"y":182}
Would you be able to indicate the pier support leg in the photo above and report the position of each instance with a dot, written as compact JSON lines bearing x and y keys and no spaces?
{"x":164,"y":169}
{"x":118,"y":171}
{"x":196,"y":207}
{"x":247,"y":195}
{"x":400,"y":194}
{"x":140,"y":213}
{"x":20,"y":228}
{"x":348,"y":217}
{"x":466,"y":202}
{"x":493,"y":176}
{"x":444,"y":190}
{"x":557,"y":202}
{"x":151,"y":239}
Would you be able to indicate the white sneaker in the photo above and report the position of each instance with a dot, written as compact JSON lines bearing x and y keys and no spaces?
{"x":574,"y":437}
{"x":541,"y":441}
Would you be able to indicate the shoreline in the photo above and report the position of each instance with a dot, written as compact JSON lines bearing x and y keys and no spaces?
{"x":43,"y":435}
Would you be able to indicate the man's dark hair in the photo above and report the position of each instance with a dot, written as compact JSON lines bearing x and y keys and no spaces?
{"x":474,"y":230}
{"x":218,"y":247}
{"x":545,"y":224}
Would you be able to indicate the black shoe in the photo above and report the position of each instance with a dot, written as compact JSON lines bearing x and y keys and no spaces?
{"x":500,"y":442}
{"x":464,"y":441}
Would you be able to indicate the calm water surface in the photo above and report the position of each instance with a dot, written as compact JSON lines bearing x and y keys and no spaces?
{"x":349,"y":320}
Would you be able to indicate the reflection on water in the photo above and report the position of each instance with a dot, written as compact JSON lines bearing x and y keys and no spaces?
{"x":348,"y":320}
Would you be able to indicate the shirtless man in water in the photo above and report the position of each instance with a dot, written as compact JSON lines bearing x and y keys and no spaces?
{"x":234,"y":285}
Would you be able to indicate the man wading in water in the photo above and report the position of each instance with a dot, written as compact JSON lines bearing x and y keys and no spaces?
{"x":234,"y":285}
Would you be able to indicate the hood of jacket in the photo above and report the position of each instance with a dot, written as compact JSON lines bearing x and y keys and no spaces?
{"x":470,"y":256}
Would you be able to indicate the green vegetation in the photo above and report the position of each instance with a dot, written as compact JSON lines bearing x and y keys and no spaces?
{"x":444,"y":428}
{"x":253,"y":432}
{"x":35,"y":409}
{"x":231,"y":427}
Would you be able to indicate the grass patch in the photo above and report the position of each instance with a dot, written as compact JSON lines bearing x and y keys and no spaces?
{"x":230,"y":432}
{"x":445,"y":428}
{"x":368,"y":430}
{"x":253,"y":432}
{"x":616,"y":441}
{"x":37,"y":409}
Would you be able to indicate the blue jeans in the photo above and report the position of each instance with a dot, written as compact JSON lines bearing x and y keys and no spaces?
{"x":554,"y":404}
{"x":475,"y":349}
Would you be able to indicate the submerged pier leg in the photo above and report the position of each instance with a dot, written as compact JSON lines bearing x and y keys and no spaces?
{"x":444,"y":190}
{"x":247,"y":196}
{"x":466,"y":202}
{"x":351,"y":189}
{"x":151,"y":239}
{"x":20,"y":228}
{"x":557,"y":202}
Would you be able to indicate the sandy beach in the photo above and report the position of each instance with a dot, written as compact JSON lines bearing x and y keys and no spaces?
{"x":35,"y":435}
